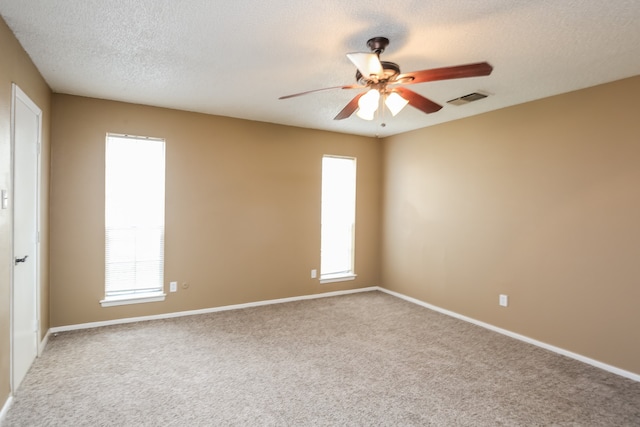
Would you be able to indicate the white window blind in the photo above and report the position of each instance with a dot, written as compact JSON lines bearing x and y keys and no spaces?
{"x":134,"y":215}
{"x":338,"y":216}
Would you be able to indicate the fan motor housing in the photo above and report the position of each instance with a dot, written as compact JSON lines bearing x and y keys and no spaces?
{"x":390,"y":70}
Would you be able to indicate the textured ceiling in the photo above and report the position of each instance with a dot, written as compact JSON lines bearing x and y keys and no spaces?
{"x":235,"y":58}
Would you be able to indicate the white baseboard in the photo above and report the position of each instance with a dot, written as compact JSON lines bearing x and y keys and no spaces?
{"x":7,"y":404}
{"x":43,"y":343}
{"x":5,"y":408}
{"x":57,"y":329}
{"x":627,"y":374}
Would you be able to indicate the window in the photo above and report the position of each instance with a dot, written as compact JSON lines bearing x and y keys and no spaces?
{"x":134,"y":219}
{"x":338,"y":219}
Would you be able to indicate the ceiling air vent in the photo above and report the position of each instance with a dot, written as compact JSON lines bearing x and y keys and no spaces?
{"x":467,"y":98}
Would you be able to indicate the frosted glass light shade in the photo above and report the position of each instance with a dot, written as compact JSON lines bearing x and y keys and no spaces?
{"x":368,"y":104}
{"x":395,"y":103}
{"x":369,"y":101}
{"x":365,"y":114}
{"x":367,"y":63}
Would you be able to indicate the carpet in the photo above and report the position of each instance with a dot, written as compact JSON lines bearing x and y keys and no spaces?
{"x":365,"y":359}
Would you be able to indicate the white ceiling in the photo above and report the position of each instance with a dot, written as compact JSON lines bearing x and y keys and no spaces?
{"x":235,"y":58}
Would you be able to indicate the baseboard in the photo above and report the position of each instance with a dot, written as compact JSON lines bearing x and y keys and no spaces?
{"x":57,"y":329}
{"x":9,"y":401}
{"x":44,"y":342}
{"x":627,"y":374}
{"x":5,"y":408}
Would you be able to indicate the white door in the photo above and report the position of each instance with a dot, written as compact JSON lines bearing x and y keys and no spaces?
{"x":26,"y":140}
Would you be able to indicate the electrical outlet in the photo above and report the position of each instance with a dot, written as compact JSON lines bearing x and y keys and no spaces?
{"x":504,"y":300}
{"x":314,"y":273}
{"x":173,"y":286}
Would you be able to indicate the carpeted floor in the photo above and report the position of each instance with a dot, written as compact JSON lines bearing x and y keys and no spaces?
{"x":364,"y":359}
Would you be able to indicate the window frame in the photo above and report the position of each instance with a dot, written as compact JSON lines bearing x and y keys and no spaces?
{"x":348,"y":274}
{"x":133,"y":295}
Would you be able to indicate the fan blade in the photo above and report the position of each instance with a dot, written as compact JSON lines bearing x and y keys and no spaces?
{"x":418,"y":101}
{"x":446,"y":73}
{"x":319,"y":90}
{"x":367,"y":63}
{"x":349,"y":109}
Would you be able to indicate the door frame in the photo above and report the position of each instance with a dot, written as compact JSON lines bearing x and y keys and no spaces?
{"x":19,"y":94}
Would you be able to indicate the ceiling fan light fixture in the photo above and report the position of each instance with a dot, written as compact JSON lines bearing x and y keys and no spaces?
{"x":365,"y":114}
{"x":368,"y":64}
{"x":368,"y":104}
{"x":395,"y":103}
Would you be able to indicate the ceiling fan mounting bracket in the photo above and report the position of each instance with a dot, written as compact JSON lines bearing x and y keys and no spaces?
{"x":378,"y":44}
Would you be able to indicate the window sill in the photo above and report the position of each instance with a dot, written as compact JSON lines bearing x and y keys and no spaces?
{"x":133,"y":299}
{"x":340,"y":277}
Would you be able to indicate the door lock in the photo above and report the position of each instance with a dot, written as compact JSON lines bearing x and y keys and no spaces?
{"x":23,"y":259}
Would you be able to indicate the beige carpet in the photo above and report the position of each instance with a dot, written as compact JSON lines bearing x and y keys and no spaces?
{"x":357,"y":360}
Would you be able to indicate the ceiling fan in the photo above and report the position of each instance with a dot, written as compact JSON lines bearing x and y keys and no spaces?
{"x":383,"y":80}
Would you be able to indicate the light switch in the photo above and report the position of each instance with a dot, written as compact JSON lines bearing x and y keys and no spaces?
{"x":4,"y":196}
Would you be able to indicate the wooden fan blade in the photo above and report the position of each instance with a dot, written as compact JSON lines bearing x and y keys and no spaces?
{"x":446,"y":73}
{"x":350,"y":108}
{"x":418,"y":101}
{"x":367,"y":63}
{"x":319,"y":90}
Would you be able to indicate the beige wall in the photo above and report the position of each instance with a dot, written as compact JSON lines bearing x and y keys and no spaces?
{"x":15,"y":66}
{"x":242,"y":208}
{"x":537,"y":201}
{"x":540,"y":201}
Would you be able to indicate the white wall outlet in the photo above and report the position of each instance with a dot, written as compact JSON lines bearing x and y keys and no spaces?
{"x":314,"y":273}
{"x":504,"y":300}
{"x":173,"y":286}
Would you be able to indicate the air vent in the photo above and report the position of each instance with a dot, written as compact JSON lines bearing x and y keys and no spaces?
{"x":467,"y":98}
